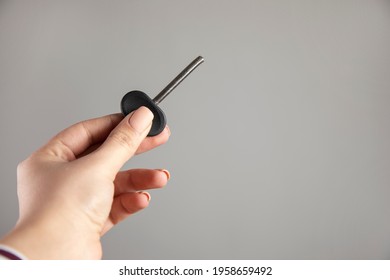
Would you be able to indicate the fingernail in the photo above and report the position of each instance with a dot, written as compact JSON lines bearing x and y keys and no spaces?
{"x":166,"y":173}
{"x":146,"y":194}
{"x":141,"y":119}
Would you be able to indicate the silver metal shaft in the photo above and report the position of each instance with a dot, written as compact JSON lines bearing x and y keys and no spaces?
{"x":179,"y":78}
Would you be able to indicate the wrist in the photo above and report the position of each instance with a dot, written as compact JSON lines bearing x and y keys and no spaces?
{"x":47,"y":241}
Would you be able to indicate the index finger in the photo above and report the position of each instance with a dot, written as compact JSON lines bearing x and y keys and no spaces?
{"x":74,"y":140}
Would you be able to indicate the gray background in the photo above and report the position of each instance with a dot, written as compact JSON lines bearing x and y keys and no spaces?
{"x":281,"y":139}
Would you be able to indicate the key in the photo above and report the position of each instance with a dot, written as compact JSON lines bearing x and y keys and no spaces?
{"x":135,"y":99}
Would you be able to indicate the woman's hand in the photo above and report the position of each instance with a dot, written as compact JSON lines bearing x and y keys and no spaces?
{"x":71,"y":191}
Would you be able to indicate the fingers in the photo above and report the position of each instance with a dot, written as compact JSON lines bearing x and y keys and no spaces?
{"x":140,"y":179}
{"x":125,"y":205}
{"x":147,"y":144}
{"x":115,"y":137}
{"x":127,"y":197}
{"x":74,"y":140}
{"x":122,"y":143}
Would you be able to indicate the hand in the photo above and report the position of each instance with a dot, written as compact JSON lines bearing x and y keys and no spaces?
{"x":71,"y":191}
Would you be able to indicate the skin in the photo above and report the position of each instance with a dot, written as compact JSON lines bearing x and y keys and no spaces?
{"x":71,"y":191}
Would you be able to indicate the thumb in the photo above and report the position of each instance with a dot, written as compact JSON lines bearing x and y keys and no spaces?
{"x":123,"y":141}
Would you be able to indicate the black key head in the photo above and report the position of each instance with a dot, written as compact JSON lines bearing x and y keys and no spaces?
{"x":135,"y":99}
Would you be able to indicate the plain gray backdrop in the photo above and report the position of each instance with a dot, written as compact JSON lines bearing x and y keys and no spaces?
{"x":280,"y":145}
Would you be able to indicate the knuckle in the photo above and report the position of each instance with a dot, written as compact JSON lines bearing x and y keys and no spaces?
{"x":21,"y":167}
{"x":25,"y":164}
{"x":29,"y":167}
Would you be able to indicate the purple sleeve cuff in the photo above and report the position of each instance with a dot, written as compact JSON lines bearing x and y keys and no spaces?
{"x":10,"y":253}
